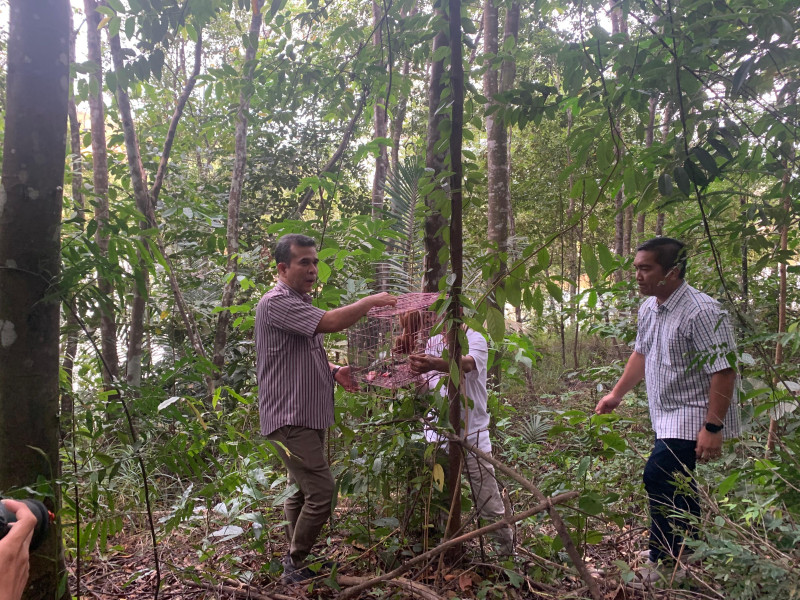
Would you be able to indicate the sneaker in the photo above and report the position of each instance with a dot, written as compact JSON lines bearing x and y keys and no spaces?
{"x":657,"y":575}
{"x":294,"y":574}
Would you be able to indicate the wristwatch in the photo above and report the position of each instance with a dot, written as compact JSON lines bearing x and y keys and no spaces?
{"x":713,"y":428}
{"x":334,"y":371}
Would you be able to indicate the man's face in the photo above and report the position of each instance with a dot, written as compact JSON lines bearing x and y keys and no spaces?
{"x":301,"y":272}
{"x":650,"y":275}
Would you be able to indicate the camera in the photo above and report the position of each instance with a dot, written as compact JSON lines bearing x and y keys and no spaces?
{"x":43,"y":519}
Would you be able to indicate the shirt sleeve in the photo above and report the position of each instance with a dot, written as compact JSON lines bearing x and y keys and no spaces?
{"x":713,"y":339}
{"x":640,"y":325}
{"x":293,"y":315}
{"x":478,"y":350}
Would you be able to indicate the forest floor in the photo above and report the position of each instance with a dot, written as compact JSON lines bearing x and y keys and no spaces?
{"x":192,"y":567}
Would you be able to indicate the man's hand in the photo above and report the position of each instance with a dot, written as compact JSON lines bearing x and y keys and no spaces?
{"x":14,"y":546}
{"x":709,"y":445}
{"x":382,"y":299}
{"x":607,"y":404}
{"x":424,"y":363}
{"x":344,"y":377}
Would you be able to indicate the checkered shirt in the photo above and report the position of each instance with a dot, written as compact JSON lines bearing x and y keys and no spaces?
{"x":685,"y":340}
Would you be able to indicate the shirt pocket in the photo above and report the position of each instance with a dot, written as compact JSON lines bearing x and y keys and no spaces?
{"x":678,"y":355}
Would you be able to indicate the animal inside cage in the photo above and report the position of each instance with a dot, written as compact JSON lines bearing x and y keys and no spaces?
{"x":378,"y":346}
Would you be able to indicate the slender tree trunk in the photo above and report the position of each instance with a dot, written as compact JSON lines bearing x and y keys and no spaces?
{"x":622,"y":218}
{"x":335,"y":158}
{"x":435,"y":267}
{"x":235,"y":196}
{"x":745,"y":268}
{"x":772,"y":439}
{"x":71,"y":325}
{"x":145,"y":203}
{"x":456,"y":255}
{"x":108,"y":320}
{"x":399,"y":118}
{"x":34,"y":151}
{"x":669,"y":110}
{"x":381,"y":124}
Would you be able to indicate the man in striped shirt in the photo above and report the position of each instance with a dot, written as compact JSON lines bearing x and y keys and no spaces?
{"x":295,"y":388}
{"x":686,"y":353}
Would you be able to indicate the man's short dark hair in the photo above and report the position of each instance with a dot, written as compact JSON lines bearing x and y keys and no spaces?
{"x":283,"y":249}
{"x":669,"y":253}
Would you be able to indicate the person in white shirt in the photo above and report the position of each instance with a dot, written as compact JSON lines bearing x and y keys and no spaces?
{"x":475,"y":423}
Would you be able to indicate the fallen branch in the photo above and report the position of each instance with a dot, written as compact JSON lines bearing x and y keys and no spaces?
{"x":558,"y":522}
{"x":505,"y":521}
{"x":245,"y":592}
{"x":412,"y":587}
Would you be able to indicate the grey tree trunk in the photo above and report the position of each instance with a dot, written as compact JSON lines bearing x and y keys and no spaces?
{"x":108,"y":321}
{"x":34,"y":151}
{"x":381,"y":125}
{"x":235,"y":195}
{"x":435,"y":155}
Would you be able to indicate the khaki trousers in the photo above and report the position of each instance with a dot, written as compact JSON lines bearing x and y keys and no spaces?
{"x":310,"y":507}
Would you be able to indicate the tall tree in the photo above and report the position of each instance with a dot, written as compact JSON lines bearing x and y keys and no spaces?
{"x":435,"y":155}
{"x":108,"y":322}
{"x":34,"y":151}
{"x":237,"y":181}
{"x":380,"y":132}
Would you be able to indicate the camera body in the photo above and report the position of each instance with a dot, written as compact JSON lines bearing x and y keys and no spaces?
{"x":43,"y":518}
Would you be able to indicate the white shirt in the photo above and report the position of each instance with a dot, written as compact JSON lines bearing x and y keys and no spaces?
{"x":476,"y":418}
{"x":685,"y":340}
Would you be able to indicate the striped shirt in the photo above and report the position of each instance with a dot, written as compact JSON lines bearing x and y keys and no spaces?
{"x":295,"y":384}
{"x":685,"y":340}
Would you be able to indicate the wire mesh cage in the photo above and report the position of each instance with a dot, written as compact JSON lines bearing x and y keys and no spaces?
{"x":378,"y":346}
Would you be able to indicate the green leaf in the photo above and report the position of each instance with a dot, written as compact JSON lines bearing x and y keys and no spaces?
{"x":707,"y":161}
{"x":721,"y":148}
{"x":728,"y":483}
{"x":590,"y":262}
{"x":116,"y":5}
{"x":665,"y":184}
{"x":495,"y":324}
{"x":441,"y":53}
{"x":682,"y":179}
{"x":740,"y":77}
{"x":554,"y":290}
{"x":606,"y":258}
{"x":590,"y":503}
{"x":538,"y":301}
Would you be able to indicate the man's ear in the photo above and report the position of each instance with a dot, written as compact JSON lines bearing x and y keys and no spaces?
{"x":282,"y":268}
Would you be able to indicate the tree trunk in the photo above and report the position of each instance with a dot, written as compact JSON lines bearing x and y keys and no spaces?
{"x":399,"y":118}
{"x":145,"y":203}
{"x":71,"y":325}
{"x":621,"y":217}
{"x":745,"y":268}
{"x":669,"y":110}
{"x":456,"y":255}
{"x":235,"y":196}
{"x":34,"y":151}
{"x":435,"y":155}
{"x":772,"y":439}
{"x":108,"y":321}
{"x":381,"y":125}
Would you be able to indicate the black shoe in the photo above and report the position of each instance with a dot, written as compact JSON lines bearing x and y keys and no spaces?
{"x":293,"y":574}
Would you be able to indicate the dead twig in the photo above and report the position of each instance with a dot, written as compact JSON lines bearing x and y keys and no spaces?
{"x":412,"y":587}
{"x":545,"y":505}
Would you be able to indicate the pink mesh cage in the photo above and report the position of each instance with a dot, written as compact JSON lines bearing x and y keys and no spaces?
{"x":378,"y":345}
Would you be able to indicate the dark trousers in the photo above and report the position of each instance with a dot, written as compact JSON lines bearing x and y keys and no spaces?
{"x":308,"y":509}
{"x":672,"y":493}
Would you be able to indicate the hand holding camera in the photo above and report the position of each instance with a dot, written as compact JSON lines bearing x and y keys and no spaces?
{"x":23,"y":526}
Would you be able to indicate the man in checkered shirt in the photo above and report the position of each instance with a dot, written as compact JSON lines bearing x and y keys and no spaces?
{"x":686,"y":353}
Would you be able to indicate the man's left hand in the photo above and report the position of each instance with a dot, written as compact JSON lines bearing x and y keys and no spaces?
{"x":344,"y":377}
{"x":709,"y":445}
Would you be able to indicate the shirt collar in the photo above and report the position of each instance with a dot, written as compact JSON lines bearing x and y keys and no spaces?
{"x":303,"y":297}
{"x":674,"y":298}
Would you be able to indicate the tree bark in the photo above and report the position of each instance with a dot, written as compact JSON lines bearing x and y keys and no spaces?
{"x":145,"y":203}
{"x":435,"y":267}
{"x":381,"y":124}
{"x":456,"y":256}
{"x":108,"y":320}
{"x":772,"y":438}
{"x":398,"y":119}
{"x":71,"y":325}
{"x":335,"y":158}
{"x":34,"y":151}
{"x":235,"y":195}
